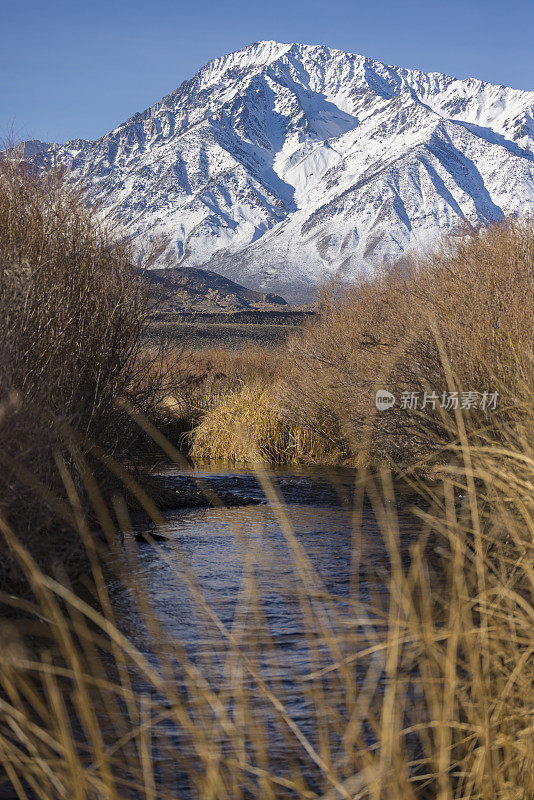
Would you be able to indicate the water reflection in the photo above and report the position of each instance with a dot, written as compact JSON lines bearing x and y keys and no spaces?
{"x":260,"y":600}
{"x":218,"y":544}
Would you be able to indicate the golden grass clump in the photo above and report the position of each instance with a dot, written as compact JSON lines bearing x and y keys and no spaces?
{"x":249,"y":421}
{"x":191,"y":382}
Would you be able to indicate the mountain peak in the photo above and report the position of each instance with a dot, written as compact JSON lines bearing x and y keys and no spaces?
{"x":280,"y":165}
{"x":255,"y":55}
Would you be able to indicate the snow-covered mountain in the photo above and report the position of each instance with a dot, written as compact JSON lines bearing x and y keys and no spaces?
{"x":283,"y":164}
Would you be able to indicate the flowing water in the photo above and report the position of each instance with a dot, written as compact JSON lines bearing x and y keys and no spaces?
{"x":216,"y":542}
{"x":263,"y":570}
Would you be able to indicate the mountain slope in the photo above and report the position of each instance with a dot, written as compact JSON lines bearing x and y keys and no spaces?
{"x":281,"y":165}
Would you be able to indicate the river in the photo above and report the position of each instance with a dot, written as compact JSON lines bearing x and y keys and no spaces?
{"x":260,"y":595}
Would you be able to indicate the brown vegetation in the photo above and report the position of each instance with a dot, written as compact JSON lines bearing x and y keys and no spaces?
{"x":422,"y":690}
{"x":472,"y":302}
{"x":72,"y":311}
{"x":218,"y":402}
{"x":192,"y":382}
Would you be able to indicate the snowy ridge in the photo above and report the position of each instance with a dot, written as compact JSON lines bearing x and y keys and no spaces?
{"x":281,"y":165}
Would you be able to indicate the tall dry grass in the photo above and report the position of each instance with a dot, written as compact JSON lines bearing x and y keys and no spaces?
{"x":191,"y":382}
{"x":418,"y":684}
{"x":215,"y":402}
{"x":248,"y":420}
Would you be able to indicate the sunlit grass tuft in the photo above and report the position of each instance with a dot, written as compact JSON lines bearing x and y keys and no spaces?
{"x":250,"y":420}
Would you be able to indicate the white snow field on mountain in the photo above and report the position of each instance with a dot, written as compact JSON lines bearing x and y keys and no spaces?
{"x":282,"y":165}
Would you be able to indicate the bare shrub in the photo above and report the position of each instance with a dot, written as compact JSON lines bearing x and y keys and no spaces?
{"x":474,"y":299}
{"x":72,"y":311}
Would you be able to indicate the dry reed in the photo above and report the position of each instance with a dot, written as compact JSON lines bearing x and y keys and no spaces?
{"x":423,"y":691}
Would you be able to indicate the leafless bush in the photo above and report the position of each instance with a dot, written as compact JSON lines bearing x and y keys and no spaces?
{"x":474,"y":300}
{"x":72,"y":313}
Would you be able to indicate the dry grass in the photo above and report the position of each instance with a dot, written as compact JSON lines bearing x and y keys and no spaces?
{"x":219,"y":402}
{"x":248,"y":421}
{"x":423,"y":691}
{"x":476,"y":295}
{"x":192,"y":383}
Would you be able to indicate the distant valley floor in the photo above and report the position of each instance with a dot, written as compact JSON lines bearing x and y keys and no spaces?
{"x":232,"y":331}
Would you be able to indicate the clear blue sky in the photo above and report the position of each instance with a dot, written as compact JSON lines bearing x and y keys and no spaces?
{"x":73,"y":69}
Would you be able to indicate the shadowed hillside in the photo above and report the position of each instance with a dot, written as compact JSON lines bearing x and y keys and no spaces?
{"x":186,"y":289}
